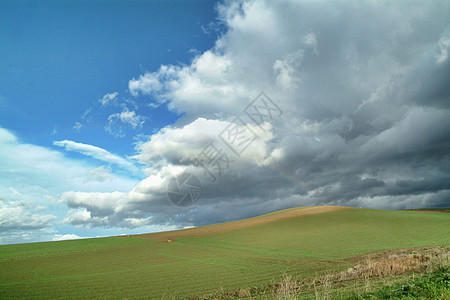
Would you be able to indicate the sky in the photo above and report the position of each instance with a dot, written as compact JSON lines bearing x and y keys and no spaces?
{"x":126,"y":117}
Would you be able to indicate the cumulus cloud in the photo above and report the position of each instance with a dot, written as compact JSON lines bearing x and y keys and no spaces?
{"x":145,"y":84}
{"x":365,"y":99}
{"x":194,"y":88}
{"x":17,"y":216}
{"x":179,"y":146}
{"x":83,"y":217}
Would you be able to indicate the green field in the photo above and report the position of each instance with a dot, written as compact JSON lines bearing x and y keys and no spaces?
{"x":148,"y":266}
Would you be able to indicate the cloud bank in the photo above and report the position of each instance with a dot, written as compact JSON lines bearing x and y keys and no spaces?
{"x":365,"y":101}
{"x":33,"y":179}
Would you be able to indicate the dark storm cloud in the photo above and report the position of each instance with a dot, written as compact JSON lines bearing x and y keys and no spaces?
{"x":364,"y":90}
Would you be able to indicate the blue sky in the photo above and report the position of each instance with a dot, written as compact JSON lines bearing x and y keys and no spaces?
{"x":60,"y":57}
{"x":107,"y":106}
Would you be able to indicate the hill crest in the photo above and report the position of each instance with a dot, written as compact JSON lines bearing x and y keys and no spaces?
{"x":169,"y":236}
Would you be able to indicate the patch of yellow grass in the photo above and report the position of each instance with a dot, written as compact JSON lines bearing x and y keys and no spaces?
{"x":391,"y":265}
{"x":287,"y":288}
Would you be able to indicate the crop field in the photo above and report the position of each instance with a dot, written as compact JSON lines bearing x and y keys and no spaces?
{"x":302,"y":242}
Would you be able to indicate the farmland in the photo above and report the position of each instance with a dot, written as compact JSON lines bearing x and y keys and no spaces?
{"x":302,"y":242}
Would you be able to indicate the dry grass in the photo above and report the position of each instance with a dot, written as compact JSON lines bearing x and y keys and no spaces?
{"x":323,"y":291}
{"x":287,"y":288}
{"x":391,"y":265}
{"x":425,"y":260}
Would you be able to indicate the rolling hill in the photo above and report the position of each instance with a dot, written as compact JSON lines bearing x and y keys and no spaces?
{"x":304,"y":242}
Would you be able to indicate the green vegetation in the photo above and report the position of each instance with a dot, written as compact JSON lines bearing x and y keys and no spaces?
{"x":394,"y":274}
{"x":442,"y":210}
{"x":147,"y":267}
{"x":430,"y":286}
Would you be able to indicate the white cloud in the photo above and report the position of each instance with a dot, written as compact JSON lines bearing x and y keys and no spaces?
{"x":96,"y":152}
{"x":77,"y":126}
{"x":63,"y":237}
{"x":285,"y":70}
{"x":85,"y":116}
{"x":204,"y":86}
{"x":92,"y":209}
{"x":34,"y":165}
{"x":145,"y":84}
{"x":127,"y":117}
{"x":33,"y":177}
{"x":169,"y":152}
{"x":17,"y":216}
{"x":180,"y":145}
{"x":82,"y":217}
{"x":14,"y":191}
{"x":115,"y":130}
{"x":100,"y":174}
{"x":108,"y":98}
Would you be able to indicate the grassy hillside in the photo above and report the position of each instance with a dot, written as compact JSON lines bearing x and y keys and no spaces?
{"x":303,"y":242}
